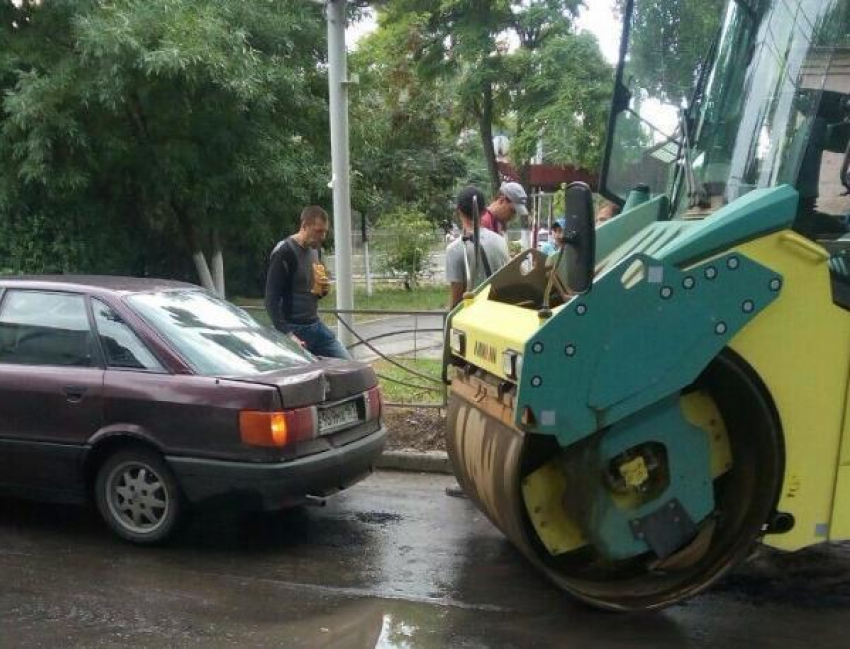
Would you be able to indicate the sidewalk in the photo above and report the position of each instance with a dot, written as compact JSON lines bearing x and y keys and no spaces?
{"x":415,"y":461}
{"x":401,"y":335}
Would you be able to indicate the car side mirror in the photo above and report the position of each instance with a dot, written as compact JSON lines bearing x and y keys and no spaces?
{"x":576,"y":267}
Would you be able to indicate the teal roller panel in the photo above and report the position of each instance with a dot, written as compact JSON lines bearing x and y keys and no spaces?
{"x":756,"y":214}
{"x":609,"y":523}
{"x":613,"y":233}
{"x":648,"y":241}
{"x":646,"y":331}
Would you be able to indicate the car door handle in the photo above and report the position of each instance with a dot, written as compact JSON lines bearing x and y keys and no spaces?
{"x":75,"y":393}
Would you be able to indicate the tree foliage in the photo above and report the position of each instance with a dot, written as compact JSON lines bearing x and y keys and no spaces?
{"x":502,"y":62}
{"x":565,"y":100}
{"x":141,"y":124}
{"x":402,"y":151}
{"x":148,"y":137}
{"x":406,"y":243}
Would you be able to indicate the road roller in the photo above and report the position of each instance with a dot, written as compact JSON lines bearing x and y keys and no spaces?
{"x":639,"y":411}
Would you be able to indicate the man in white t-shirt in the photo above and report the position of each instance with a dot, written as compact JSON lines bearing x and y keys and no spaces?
{"x":460,"y":254}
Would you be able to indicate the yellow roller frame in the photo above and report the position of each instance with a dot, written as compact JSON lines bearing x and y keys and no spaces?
{"x":492,"y":328}
{"x":800,"y":348}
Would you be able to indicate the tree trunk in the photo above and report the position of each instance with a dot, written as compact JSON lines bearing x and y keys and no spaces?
{"x":218,"y":264}
{"x":203,"y":270}
{"x":194,"y":245}
{"x":485,"y":128}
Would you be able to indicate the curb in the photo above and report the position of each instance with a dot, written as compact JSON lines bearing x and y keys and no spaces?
{"x":415,"y":461}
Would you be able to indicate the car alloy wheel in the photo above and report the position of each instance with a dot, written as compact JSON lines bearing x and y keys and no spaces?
{"x":138,"y":496}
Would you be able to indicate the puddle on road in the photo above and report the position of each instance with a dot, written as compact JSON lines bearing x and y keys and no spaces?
{"x":378,"y":518}
{"x":388,"y":624}
{"x":750,"y":603}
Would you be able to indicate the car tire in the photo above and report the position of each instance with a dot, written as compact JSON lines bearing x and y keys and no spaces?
{"x":138,"y":496}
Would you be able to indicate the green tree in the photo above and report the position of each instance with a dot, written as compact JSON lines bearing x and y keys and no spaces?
{"x":405,"y":244}
{"x":565,"y":99}
{"x":129,"y":124}
{"x":468,"y":44}
{"x":402,"y":152}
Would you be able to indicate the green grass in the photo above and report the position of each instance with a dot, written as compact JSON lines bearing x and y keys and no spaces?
{"x":429,"y":297}
{"x":397,"y":393}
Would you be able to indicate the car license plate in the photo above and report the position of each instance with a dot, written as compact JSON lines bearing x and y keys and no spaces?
{"x":336,"y":417}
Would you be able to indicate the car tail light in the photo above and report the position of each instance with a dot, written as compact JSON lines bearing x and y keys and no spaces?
{"x":374,"y":403}
{"x":259,"y":428}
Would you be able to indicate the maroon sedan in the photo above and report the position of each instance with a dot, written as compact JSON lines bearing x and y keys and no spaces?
{"x":148,"y":396}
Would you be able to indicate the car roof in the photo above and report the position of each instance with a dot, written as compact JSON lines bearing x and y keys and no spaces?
{"x":99,"y":283}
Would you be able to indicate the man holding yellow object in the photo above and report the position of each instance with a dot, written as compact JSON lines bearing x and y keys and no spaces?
{"x":296,"y":281}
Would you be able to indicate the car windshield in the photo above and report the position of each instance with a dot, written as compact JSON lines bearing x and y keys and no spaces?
{"x":769,"y":110}
{"x":215,"y":337}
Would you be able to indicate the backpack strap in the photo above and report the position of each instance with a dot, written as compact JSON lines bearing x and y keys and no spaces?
{"x":290,"y":259}
{"x":289,"y":262}
{"x":488,"y":270}
{"x":289,"y":256}
{"x":486,"y":262}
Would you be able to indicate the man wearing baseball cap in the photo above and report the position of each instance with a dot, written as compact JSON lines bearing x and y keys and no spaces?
{"x":554,"y":244}
{"x":511,"y":200}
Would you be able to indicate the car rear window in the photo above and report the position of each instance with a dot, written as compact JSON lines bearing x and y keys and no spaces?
{"x":215,"y":337}
{"x":42,"y":328}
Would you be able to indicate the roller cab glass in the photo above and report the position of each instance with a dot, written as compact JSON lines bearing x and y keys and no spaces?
{"x":770,"y":107}
{"x":664,"y":45}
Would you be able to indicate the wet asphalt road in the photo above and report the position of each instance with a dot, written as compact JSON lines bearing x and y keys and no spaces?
{"x":391,"y":563}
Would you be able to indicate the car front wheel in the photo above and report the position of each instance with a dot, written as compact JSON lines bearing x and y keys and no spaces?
{"x":138,"y":496}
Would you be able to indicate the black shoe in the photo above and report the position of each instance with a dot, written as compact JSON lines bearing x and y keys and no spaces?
{"x":455,"y":491}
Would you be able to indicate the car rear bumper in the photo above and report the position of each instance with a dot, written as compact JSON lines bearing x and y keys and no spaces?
{"x":280,"y":484}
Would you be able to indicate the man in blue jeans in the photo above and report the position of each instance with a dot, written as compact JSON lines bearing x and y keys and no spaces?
{"x":296,"y":281}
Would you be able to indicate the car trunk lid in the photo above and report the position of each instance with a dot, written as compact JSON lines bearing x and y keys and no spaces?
{"x":322,"y":382}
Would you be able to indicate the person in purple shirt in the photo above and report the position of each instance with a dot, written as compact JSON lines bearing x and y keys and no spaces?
{"x":510,"y":201}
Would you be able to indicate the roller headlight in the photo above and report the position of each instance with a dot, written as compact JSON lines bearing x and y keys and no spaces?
{"x":511,"y":364}
{"x":457,"y":342}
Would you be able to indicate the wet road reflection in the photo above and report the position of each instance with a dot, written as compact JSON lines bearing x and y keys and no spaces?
{"x":392,"y":563}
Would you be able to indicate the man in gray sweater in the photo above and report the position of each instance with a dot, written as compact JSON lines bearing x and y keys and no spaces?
{"x":296,"y":281}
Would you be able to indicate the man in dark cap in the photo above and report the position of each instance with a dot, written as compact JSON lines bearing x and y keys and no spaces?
{"x":460,"y":254}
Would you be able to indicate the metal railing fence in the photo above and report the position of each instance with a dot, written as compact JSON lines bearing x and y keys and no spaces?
{"x":411,"y":338}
